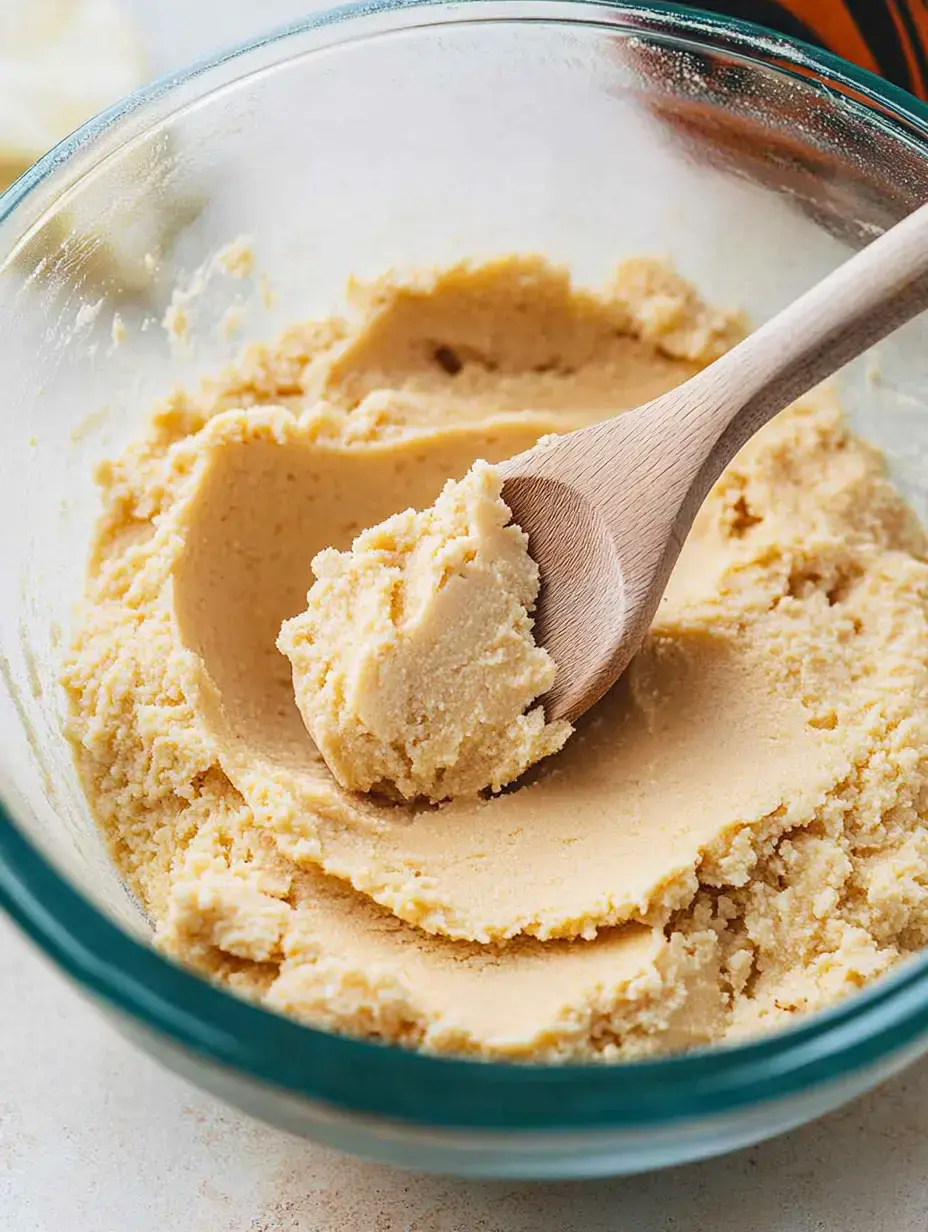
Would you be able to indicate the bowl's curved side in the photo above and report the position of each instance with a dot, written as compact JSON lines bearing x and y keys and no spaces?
{"x":478,"y":1118}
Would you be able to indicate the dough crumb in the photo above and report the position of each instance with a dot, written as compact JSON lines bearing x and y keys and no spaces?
{"x":414,"y":664}
{"x":237,"y":258}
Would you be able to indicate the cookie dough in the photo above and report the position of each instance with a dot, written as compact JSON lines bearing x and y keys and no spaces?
{"x":733,"y":836}
{"x":414,"y":665}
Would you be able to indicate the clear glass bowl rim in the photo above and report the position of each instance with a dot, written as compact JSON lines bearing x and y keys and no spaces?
{"x":378,"y":1080}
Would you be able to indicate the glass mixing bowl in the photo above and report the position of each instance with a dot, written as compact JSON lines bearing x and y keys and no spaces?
{"x":407,"y":135}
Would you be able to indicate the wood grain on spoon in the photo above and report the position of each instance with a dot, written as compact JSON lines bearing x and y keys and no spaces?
{"x":607,"y":508}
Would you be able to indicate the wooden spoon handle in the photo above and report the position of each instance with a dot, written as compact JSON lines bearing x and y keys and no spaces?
{"x":607,"y":507}
{"x":862,"y":301}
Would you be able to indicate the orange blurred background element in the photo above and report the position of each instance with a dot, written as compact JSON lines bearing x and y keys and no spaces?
{"x":889,"y":37}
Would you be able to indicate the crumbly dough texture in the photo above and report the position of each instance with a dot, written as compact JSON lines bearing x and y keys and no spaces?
{"x":414,"y":664}
{"x":733,"y":836}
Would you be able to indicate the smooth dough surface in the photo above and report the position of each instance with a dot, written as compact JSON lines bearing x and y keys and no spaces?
{"x":734,"y":835}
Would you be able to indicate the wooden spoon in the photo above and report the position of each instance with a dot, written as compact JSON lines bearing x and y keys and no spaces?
{"x":607,"y":508}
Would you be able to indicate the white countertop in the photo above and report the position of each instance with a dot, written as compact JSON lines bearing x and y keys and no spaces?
{"x":95,"y":1138}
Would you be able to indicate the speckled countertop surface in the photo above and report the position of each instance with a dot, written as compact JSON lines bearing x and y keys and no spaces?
{"x":95,"y":1138}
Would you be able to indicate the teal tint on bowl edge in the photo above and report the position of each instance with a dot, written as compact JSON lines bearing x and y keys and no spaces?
{"x":386,"y":1082}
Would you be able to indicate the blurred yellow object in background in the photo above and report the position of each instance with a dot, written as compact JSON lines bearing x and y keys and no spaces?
{"x":60,"y":62}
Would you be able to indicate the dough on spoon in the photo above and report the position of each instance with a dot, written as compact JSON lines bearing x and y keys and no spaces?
{"x":414,"y":664}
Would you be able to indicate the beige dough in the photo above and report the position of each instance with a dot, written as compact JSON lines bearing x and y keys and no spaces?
{"x":414,"y":665}
{"x":733,"y":836}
